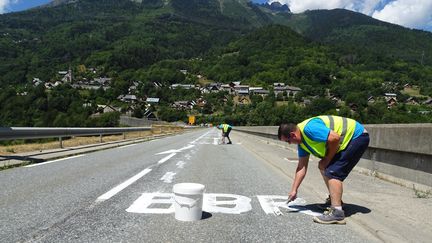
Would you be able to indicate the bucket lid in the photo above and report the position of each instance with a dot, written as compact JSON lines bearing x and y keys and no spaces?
{"x":188,"y":188}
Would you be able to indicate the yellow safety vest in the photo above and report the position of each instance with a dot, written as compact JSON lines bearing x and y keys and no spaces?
{"x":343,"y":126}
{"x":225,"y":127}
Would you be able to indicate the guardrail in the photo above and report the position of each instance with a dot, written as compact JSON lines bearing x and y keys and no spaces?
{"x":401,"y":153}
{"x":13,"y":133}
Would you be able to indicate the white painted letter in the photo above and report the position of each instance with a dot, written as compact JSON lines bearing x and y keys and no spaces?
{"x":213,"y":205}
{"x":142,"y":204}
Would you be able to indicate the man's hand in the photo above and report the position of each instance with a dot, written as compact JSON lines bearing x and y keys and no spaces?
{"x":292,"y":196}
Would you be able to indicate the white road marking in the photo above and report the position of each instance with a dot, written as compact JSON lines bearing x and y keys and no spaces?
{"x":215,"y":141}
{"x":53,"y":161}
{"x":180,"y":164}
{"x":176,"y":150}
{"x":169,"y":151}
{"x":130,"y":145}
{"x":196,"y":140}
{"x":122,"y":186}
{"x":166,"y":158}
{"x":163,"y":203}
{"x":291,"y":161}
{"x":168,"y":177}
{"x":271,"y":207}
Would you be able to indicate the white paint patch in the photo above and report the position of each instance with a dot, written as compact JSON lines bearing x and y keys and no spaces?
{"x":187,"y":156}
{"x":241,"y":204}
{"x":166,"y":158}
{"x":165,"y":201}
{"x":53,"y":161}
{"x":168,"y":152}
{"x":270,"y":206}
{"x":176,"y":150}
{"x":291,"y":161}
{"x":168,"y":177}
{"x":122,"y":186}
{"x":180,"y":164}
{"x":143,"y":203}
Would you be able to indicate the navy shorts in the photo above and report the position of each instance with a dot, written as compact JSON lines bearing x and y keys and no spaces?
{"x":226,"y":134}
{"x":344,"y":161}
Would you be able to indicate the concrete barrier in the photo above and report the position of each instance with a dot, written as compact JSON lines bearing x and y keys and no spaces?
{"x":401,"y":153}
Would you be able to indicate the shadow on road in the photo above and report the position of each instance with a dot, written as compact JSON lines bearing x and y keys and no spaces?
{"x":350,"y":209}
{"x":206,"y":215}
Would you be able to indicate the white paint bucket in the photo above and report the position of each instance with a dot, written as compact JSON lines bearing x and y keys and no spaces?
{"x":188,"y":198}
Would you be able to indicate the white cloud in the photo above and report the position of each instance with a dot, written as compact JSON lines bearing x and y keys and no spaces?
{"x":3,"y":4}
{"x":298,"y":6}
{"x":408,"y":13}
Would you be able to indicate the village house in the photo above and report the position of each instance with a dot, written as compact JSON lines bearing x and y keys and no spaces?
{"x":152,"y":100}
{"x":128,"y":98}
{"x":411,"y":101}
{"x":183,"y":105}
{"x":183,"y":86}
{"x":289,"y":90}
{"x":261,"y":92}
{"x":150,"y":115}
{"x":214,"y":87}
{"x":428,"y":102}
{"x":241,"y":89}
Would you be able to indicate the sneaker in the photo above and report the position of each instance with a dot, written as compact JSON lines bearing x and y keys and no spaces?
{"x":229,"y":143}
{"x":331,"y":216}
{"x":326,"y":204}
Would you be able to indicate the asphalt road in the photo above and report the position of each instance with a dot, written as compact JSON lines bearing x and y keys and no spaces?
{"x":101,"y":197}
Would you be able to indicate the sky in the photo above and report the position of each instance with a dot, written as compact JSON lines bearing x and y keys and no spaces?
{"x":415,"y":14}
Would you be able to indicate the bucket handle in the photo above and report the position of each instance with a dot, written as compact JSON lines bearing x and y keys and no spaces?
{"x":188,"y":205}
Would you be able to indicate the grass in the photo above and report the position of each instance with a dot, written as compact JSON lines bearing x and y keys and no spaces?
{"x":422,"y":194}
{"x":414,"y":92}
{"x":74,"y":141}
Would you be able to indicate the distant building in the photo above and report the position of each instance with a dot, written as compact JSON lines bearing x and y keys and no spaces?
{"x":152,"y":100}
{"x":37,"y":81}
{"x":183,"y":86}
{"x":150,"y":115}
{"x":262,"y":92}
{"x":128,"y":98}
{"x":428,"y":102}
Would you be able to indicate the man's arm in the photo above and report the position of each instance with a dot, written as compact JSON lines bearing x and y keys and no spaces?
{"x":332,"y":147}
{"x":299,"y":176}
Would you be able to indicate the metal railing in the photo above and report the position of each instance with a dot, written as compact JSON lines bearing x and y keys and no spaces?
{"x":13,"y":133}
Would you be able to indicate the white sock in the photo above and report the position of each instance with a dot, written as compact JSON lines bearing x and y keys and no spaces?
{"x":338,"y":207}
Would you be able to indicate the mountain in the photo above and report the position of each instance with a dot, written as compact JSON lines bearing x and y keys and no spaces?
{"x":355,"y":31}
{"x":123,"y":36}
{"x":142,"y":43}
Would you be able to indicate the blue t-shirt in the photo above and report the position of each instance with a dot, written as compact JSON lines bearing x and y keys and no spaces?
{"x":316,"y":130}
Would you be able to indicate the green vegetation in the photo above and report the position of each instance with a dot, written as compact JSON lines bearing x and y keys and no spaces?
{"x":348,"y":55}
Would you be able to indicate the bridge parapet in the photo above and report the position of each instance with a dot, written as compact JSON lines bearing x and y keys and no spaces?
{"x":401,"y":153}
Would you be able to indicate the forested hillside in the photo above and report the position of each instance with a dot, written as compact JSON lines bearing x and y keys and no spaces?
{"x":339,"y":59}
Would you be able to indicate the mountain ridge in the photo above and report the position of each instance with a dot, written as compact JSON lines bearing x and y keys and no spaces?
{"x":192,"y":28}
